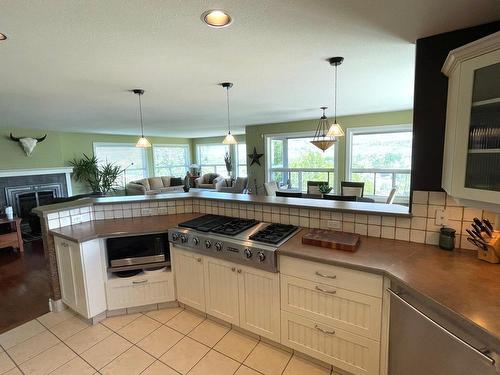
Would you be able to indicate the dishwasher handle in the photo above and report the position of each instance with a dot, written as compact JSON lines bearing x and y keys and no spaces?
{"x":486,"y":358}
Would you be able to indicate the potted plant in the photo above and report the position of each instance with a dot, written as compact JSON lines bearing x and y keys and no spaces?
{"x":229,"y":167}
{"x":101,"y":178}
{"x":324,"y":189}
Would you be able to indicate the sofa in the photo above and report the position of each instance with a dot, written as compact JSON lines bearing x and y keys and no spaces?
{"x":239,"y":186}
{"x":155,"y":185}
{"x":207,"y":181}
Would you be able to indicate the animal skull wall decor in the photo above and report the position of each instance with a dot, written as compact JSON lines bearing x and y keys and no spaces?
{"x":28,"y":144}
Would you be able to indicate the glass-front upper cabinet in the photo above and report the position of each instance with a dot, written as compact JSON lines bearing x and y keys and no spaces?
{"x":471,"y":163}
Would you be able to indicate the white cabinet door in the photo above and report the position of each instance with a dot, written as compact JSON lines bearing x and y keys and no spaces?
{"x":189,"y":279}
{"x":221,"y":290}
{"x":259,"y":300}
{"x":65,"y":269}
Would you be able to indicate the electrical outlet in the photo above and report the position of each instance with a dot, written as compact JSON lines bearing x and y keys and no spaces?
{"x":441,"y":217}
{"x":334,"y":224}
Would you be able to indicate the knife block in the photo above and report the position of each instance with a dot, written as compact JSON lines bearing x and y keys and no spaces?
{"x":492,"y":253}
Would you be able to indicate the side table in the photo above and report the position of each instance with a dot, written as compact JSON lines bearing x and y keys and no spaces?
{"x":14,"y":238}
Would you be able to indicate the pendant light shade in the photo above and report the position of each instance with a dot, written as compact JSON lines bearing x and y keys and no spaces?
{"x":321,"y":139}
{"x":229,"y":139}
{"x":143,"y":141}
{"x":335,"y":129}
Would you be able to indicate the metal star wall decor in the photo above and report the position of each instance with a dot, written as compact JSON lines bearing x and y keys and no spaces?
{"x":254,"y":157}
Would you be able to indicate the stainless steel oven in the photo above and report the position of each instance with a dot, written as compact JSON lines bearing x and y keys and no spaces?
{"x":133,"y":252}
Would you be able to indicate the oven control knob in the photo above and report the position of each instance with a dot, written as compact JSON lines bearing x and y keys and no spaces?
{"x":196,"y":241}
{"x":248,"y":253}
{"x":208,"y":244}
{"x":175,"y":236}
{"x":218,"y":246}
{"x":261,"y":256}
{"x":183,"y":238}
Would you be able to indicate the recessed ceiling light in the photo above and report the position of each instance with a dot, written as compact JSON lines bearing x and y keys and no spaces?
{"x":3,"y":37}
{"x":216,"y":18}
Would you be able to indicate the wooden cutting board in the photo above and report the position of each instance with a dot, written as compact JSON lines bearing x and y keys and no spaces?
{"x":331,"y":239}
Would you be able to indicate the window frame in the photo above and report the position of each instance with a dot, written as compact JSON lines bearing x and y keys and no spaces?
{"x":178,"y":145}
{"x":145,"y":169}
{"x":305,"y":134}
{"x":198,"y":156}
{"x":381,"y":129}
{"x":237,"y":157}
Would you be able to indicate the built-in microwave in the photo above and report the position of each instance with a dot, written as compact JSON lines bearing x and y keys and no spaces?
{"x":134,"y":252}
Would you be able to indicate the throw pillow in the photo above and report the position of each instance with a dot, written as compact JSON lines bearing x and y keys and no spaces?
{"x":176,"y":181}
{"x":211,"y":178}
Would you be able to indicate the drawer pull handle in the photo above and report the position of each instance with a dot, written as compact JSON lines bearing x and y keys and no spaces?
{"x":233,"y":269}
{"x":326,"y":276}
{"x":140,"y":282}
{"x":324,"y":330}
{"x":239,"y":270}
{"x":325,"y":290}
{"x":198,"y":260}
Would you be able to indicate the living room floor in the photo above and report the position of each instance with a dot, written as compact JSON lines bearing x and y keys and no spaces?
{"x":24,"y":285}
{"x":168,"y":342}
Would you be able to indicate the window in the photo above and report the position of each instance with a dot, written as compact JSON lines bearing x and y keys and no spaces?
{"x":293,"y":161}
{"x":171,"y":160}
{"x":241,"y":153}
{"x":381,"y":158}
{"x":211,"y":158}
{"x":127,"y":156}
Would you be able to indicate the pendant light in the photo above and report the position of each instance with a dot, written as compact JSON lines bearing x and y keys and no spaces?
{"x":335,"y":129}
{"x":229,"y":140}
{"x":321,"y":138}
{"x":143,"y":141}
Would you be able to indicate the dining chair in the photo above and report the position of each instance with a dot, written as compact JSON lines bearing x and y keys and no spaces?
{"x":392,"y":195}
{"x":352,"y":188}
{"x":313,"y":186}
{"x":271,"y":188}
{"x":345,"y":198}
{"x":289,"y":194}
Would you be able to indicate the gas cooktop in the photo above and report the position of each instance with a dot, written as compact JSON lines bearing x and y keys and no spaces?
{"x":245,"y":241}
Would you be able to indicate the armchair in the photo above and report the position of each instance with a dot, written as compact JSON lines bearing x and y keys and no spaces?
{"x":207,"y":181}
{"x":239,"y":186}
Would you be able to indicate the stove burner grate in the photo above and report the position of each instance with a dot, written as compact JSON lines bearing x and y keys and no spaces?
{"x":273,"y":233}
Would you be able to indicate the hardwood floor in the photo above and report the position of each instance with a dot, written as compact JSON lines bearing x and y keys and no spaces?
{"x":24,"y":286}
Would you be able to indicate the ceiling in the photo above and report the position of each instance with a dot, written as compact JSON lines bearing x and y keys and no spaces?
{"x":67,"y":65}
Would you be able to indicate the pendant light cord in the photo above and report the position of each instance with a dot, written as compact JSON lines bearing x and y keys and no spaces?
{"x":228,"y":116}
{"x":335,"y":94}
{"x":140,"y":114}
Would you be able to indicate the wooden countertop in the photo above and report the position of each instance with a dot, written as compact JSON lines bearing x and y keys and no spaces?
{"x":456,"y":279}
{"x":119,"y":227}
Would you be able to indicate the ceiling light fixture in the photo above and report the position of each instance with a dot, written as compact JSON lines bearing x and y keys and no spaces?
{"x":321,"y":139}
{"x":335,"y":129}
{"x":143,"y":141}
{"x":229,"y":140}
{"x":217,"y":18}
{"x":3,"y":37}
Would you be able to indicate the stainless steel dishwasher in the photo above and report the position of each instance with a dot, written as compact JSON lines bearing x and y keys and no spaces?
{"x":418,"y":345}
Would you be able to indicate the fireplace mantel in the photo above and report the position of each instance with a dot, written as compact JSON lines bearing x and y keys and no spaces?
{"x":40,"y":171}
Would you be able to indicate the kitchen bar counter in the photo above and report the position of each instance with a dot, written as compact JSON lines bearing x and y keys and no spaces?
{"x":456,"y":280}
{"x":357,"y":207}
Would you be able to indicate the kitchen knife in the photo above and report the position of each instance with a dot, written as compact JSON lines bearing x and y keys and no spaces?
{"x":475,"y":236}
{"x":477,"y":231}
{"x":479,"y":223}
{"x":488,"y":224}
{"x":477,"y":243}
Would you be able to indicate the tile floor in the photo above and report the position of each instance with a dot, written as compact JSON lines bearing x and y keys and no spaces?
{"x":170,"y":341}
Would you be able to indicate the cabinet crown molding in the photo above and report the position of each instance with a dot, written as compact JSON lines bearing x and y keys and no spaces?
{"x":468,"y":51}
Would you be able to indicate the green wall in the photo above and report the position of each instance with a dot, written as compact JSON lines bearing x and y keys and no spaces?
{"x":60,"y":147}
{"x":255,"y":137}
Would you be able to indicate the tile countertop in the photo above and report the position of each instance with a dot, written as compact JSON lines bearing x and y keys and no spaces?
{"x":358,"y":207}
{"x":456,"y":280}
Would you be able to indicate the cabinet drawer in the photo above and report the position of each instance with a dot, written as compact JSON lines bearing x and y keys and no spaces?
{"x":345,"y":278}
{"x":354,"y":312}
{"x":140,"y":290}
{"x":355,"y":354}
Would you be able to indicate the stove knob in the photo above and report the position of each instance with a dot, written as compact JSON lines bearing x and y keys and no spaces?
{"x":248,"y":253}
{"x":183,"y":238}
{"x":218,"y":246}
{"x":208,"y":244}
{"x":175,"y":236}
{"x":196,"y":241}
{"x":261,"y":256}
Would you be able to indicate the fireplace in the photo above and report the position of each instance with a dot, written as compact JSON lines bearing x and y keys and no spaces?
{"x":24,"y":198}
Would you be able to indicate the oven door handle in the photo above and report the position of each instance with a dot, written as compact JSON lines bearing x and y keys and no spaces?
{"x":137,"y":282}
{"x":485,"y":357}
